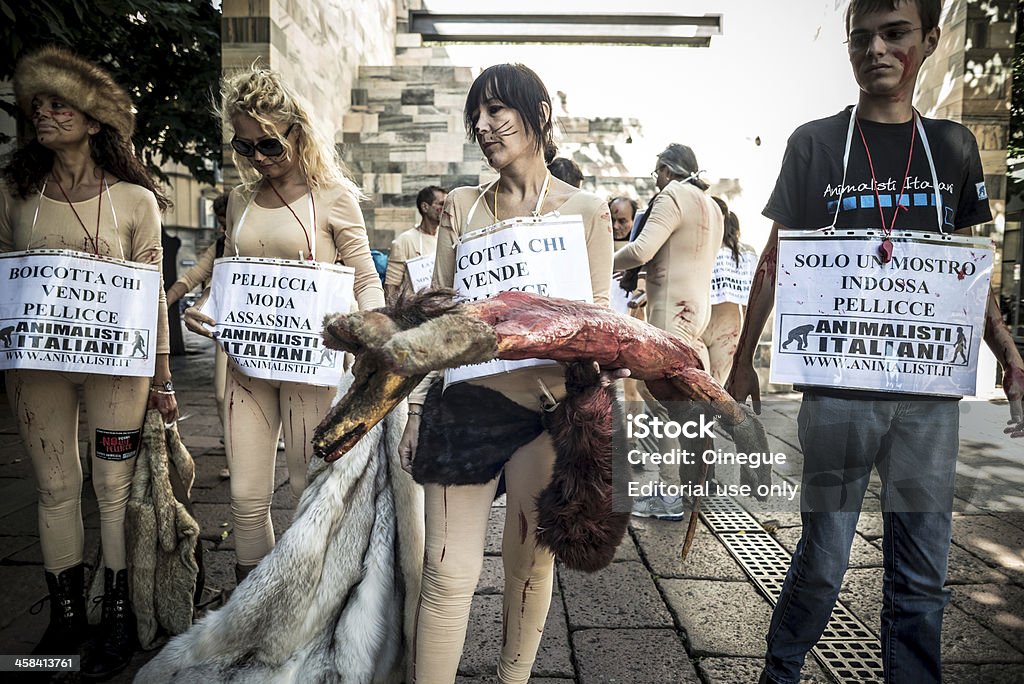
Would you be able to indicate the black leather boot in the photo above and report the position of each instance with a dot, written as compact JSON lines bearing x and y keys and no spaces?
{"x":107,"y":655}
{"x":68,"y":627}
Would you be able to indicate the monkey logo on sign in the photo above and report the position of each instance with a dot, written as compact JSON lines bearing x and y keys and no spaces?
{"x":798,"y":335}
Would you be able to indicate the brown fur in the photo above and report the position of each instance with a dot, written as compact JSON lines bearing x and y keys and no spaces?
{"x":82,"y":84}
{"x":576,"y":519}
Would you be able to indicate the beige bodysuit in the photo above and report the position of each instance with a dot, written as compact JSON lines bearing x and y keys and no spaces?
{"x":258,"y":410}
{"x":46,"y":403}
{"x":679,"y":244}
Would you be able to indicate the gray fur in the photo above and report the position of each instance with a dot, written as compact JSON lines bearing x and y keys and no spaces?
{"x":334,"y":601}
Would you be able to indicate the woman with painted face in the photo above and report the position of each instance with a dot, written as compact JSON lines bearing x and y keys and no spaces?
{"x":77,"y":186}
{"x":508,"y":113}
{"x":295,"y":206}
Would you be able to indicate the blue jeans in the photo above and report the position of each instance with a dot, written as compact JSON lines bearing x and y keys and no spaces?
{"x":913,"y":445}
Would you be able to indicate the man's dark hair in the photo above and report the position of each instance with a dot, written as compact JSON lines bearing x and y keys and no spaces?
{"x":220,"y":205}
{"x":427,"y":195}
{"x":623,"y":198}
{"x":518,"y":87}
{"x":930,"y":10}
{"x":566,"y":170}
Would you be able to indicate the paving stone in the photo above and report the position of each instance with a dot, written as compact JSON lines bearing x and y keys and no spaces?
{"x":634,"y":656}
{"x":492,"y":576}
{"x":483,"y":641}
{"x":662,"y":541}
{"x":966,"y":568}
{"x":620,"y":595}
{"x":955,"y":673}
{"x":219,"y":566}
{"x":219,"y":493}
{"x":747,"y":670}
{"x":965,"y":640}
{"x":9,"y":546}
{"x":23,"y":586}
{"x":495,"y":529}
{"x":719,"y":618}
{"x":998,"y":543}
{"x":863,"y":554}
{"x":22,"y":522}
{"x":999,"y":607}
{"x":493,"y":679}
{"x":627,"y":550}
{"x":862,"y":593}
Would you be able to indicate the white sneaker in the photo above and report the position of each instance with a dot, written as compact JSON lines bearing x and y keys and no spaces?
{"x":660,"y":507}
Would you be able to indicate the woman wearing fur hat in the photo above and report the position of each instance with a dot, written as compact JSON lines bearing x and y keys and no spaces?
{"x":296,"y":204}
{"x":77,"y":185}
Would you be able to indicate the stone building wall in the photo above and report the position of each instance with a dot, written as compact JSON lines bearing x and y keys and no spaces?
{"x":318,"y":45}
{"x":968,"y":79}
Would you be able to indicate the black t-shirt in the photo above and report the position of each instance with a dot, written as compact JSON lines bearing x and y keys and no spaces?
{"x":808,"y":189}
{"x":807,"y":193}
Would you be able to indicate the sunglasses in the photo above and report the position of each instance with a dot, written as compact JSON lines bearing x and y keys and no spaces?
{"x":268,"y":147}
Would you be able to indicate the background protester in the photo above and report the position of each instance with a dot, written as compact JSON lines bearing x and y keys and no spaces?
{"x":296,"y":204}
{"x":566,"y":170}
{"x":508,"y":112}
{"x":678,"y":239}
{"x":417,"y":243}
{"x":730,"y":289}
{"x":77,"y":185}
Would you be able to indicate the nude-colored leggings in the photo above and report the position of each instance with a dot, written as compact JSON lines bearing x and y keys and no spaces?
{"x":220,"y":383}
{"x":456,"y":527}
{"x":721,"y":337}
{"x":46,"y":405}
{"x":257,"y":410}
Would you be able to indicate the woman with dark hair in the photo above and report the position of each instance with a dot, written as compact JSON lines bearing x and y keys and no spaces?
{"x":508,"y":113}
{"x":77,"y":186}
{"x":730,"y":288}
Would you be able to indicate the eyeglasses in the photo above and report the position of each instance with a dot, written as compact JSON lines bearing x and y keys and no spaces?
{"x":655,"y":172}
{"x":897,"y":35}
{"x":268,"y":147}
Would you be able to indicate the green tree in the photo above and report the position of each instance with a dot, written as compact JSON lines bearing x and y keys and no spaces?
{"x":166,"y":53}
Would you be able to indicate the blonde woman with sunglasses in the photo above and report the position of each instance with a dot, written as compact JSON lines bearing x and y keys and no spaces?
{"x":295,"y":203}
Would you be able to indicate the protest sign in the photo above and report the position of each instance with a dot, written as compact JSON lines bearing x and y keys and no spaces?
{"x":845,"y":318}
{"x":421,"y":271}
{"x":75,"y":312}
{"x":270,"y":314}
{"x":544,"y":255}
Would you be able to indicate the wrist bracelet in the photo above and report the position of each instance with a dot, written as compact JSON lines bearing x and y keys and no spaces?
{"x":415,"y":412}
{"x":157,"y":390}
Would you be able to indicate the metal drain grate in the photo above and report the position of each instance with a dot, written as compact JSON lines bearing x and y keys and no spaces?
{"x":847,"y":649}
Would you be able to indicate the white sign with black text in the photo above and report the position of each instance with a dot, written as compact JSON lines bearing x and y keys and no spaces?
{"x":270,"y":314}
{"x":421,"y":271}
{"x":846,"y":319}
{"x":78,"y":313}
{"x":544,"y":255}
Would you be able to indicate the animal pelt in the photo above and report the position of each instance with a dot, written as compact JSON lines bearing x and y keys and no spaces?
{"x":468,"y":433}
{"x":575,"y":516}
{"x":334,"y":601}
{"x":161,"y":535}
{"x":85,"y":86}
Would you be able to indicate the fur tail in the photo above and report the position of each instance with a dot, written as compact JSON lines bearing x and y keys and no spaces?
{"x":576,"y":520}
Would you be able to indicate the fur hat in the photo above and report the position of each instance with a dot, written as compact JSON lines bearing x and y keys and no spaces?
{"x":84,"y":85}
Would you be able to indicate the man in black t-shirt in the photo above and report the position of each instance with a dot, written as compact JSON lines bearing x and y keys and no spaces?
{"x":889,"y":183}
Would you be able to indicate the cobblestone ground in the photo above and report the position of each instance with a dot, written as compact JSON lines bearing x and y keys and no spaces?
{"x":648,"y":617}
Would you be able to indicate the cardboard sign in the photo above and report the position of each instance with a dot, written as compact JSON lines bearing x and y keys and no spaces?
{"x":421,"y":271}
{"x":845,"y":319}
{"x":78,"y":313}
{"x":270,"y":314}
{"x":545,"y":255}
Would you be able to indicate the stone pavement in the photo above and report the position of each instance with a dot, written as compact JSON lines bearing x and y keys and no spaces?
{"x":648,"y":617}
